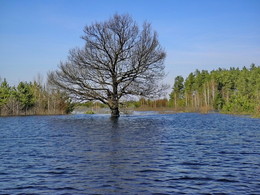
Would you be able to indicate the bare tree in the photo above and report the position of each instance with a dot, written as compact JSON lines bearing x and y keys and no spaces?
{"x":118,"y":60}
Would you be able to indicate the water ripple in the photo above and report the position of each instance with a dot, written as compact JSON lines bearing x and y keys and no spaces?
{"x":145,"y":154}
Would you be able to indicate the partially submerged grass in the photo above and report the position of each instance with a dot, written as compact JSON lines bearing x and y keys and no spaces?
{"x":89,"y":112}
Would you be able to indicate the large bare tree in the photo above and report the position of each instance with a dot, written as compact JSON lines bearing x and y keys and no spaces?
{"x":118,"y":60}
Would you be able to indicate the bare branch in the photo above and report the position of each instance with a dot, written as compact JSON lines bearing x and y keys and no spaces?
{"x":118,"y":60}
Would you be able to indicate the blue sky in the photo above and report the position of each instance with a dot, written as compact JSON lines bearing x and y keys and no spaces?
{"x":35,"y":35}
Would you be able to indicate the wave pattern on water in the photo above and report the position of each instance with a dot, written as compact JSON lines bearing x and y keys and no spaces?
{"x":146,"y":154}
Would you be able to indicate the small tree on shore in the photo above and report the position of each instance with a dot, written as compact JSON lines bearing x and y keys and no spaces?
{"x":118,"y":60}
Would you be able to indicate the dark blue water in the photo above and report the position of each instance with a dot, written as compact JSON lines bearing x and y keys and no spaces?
{"x":91,"y":154}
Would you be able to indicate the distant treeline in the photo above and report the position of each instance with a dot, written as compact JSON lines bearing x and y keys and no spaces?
{"x":32,"y":99}
{"x":230,"y":91}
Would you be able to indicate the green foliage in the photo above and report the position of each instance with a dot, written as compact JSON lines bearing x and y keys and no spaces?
{"x":189,"y":83}
{"x":25,"y":95}
{"x":32,"y":98}
{"x":178,"y":85}
{"x":233,"y":90}
{"x":86,"y":104}
{"x":133,"y":104}
{"x":5,"y":93}
{"x":91,"y":104}
{"x":89,"y":112}
{"x":143,"y":103}
{"x":239,"y":104}
{"x":218,"y":102}
{"x":176,"y":97}
{"x":69,"y":105}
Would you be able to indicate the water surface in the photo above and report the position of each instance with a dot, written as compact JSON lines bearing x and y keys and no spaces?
{"x":144,"y":154}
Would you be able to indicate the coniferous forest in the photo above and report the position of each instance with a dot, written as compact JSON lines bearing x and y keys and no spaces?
{"x":32,"y":99}
{"x":229,"y":91}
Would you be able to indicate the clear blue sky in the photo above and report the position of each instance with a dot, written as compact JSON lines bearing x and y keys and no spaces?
{"x":35,"y":35}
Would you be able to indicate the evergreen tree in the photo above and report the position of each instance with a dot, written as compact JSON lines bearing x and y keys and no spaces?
{"x":177,"y":94}
{"x":5,"y":93}
{"x":25,"y":96}
{"x":32,"y":98}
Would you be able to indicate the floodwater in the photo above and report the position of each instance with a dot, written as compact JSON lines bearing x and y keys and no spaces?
{"x":136,"y":154}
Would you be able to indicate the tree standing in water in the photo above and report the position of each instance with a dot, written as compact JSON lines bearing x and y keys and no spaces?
{"x":118,"y":60}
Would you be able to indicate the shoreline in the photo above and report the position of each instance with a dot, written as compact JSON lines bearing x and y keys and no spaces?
{"x":138,"y":111}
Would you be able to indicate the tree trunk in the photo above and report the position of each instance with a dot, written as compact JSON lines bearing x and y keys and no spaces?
{"x":115,"y":112}
{"x":205,"y":96}
{"x":186,"y":99}
{"x":114,"y":107}
{"x":175,"y":100}
{"x":208,"y":93}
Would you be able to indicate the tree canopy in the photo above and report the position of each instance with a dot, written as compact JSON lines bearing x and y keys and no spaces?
{"x":119,"y":59}
{"x":233,"y":90}
{"x":32,"y":99}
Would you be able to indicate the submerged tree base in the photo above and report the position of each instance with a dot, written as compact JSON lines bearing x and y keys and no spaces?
{"x":115,"y":113}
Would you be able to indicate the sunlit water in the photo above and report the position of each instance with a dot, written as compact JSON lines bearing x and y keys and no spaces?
{"x":144,"y":154}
